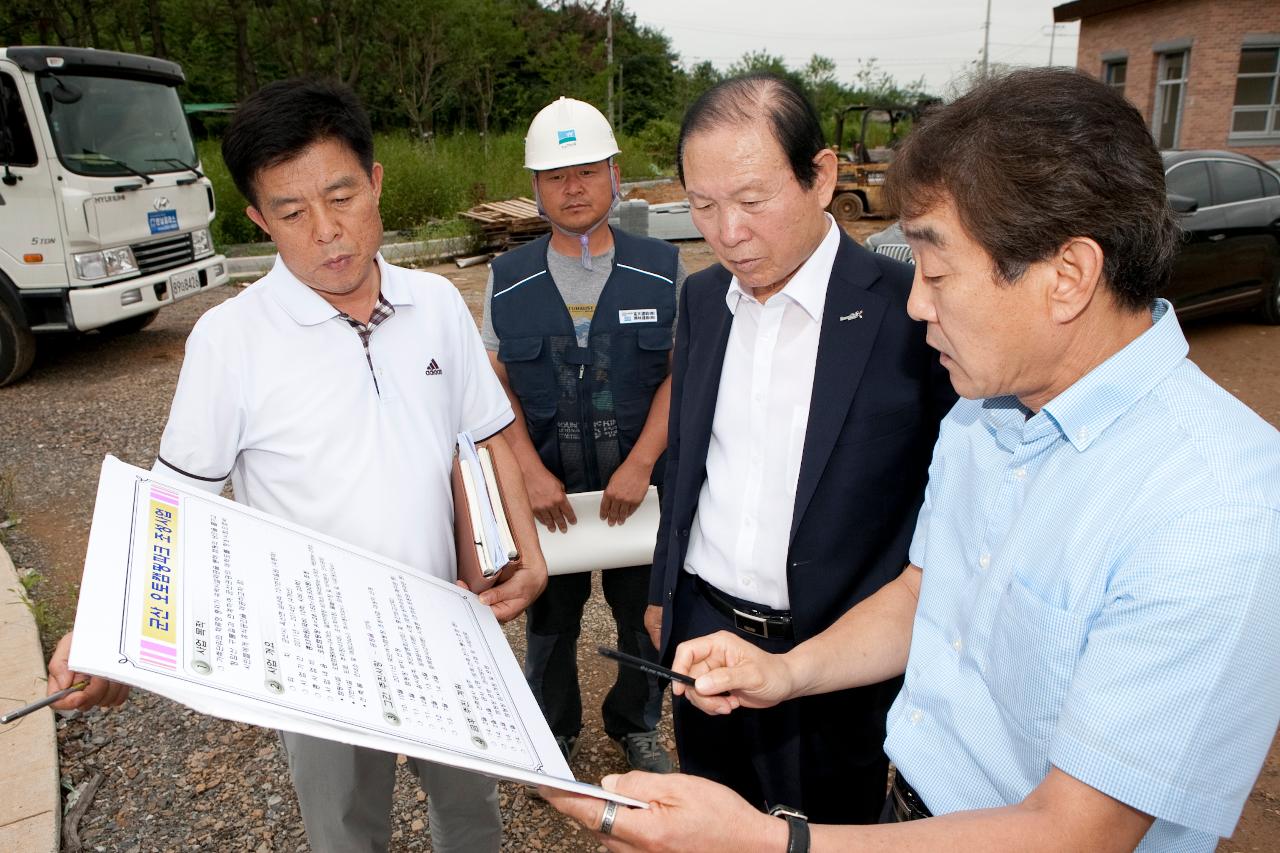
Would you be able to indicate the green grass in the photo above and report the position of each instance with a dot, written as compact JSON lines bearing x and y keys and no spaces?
{"x":45,"y":619}
{"x":8,"y":503}
{"x":438,"y":229}
{"x":424,"y":181}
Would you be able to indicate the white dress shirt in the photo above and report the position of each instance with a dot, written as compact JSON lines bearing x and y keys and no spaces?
{"x":738,"y":542}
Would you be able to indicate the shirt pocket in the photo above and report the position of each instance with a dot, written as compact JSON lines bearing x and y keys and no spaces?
{"x":1033,"y":654}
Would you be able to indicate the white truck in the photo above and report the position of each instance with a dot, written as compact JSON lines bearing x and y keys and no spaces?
{"x":104,"y":212}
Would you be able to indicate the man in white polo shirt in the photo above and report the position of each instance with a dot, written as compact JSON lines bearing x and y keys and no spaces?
{"x":331,"y":393}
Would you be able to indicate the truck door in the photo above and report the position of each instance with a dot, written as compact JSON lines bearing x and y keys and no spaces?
{"x":31,"y":251}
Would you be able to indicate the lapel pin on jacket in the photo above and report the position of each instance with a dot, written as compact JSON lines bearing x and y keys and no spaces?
{"x":856,"y":315}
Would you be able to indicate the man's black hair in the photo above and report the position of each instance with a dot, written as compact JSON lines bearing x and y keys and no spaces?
{"x":1035,"y":158}
{"x":742,"y":100}
{"x":276,"y":123}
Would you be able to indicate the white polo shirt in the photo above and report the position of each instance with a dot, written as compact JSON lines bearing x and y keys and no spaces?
{"x":276,"y":393}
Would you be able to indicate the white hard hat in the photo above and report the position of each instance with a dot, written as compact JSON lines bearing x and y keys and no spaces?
{"x":568,"y":133}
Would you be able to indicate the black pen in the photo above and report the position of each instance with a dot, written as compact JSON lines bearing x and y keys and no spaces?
{"x":18,"y":713}
{"x":644,"y":665}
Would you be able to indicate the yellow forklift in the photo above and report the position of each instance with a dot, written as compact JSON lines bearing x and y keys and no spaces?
{"x":861,"y":169}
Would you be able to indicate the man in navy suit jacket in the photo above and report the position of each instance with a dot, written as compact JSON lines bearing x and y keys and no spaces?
{"x":804,"y":409}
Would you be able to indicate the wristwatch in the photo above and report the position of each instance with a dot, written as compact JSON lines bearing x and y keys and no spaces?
{"x":797,"y":828}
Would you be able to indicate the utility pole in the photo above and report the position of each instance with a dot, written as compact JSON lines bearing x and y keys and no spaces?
{"x":986,"y":40}
{"x":1053,"y":36}
{"x":608,"y":41}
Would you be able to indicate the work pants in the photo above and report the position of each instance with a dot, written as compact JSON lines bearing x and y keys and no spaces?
{"x":634,"y":703}
{"x":345,"y":793}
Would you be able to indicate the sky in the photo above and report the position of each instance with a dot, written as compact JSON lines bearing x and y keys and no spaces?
{"x":934,"y":39}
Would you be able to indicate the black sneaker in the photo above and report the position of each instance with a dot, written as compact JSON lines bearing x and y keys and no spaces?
{"x":568,"y":746}
{"x":644,"y":751}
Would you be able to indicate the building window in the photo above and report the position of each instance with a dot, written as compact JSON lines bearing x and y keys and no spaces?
{"x":1171,"y":83}
{"x":1256,"y":113}
{"x":1114,"y":73}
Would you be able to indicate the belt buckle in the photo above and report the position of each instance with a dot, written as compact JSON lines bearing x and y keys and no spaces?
{"x":900,"y":807}
{"x":745,"y":621}
{"x":905,"y":809}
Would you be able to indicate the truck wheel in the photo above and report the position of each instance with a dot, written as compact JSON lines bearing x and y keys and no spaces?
{"x":129,"y":325}
{"x":848,"y":207}
{"x":17,"y":347}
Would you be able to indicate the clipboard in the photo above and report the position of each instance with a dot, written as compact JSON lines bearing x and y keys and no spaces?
{"x":482,"y":532}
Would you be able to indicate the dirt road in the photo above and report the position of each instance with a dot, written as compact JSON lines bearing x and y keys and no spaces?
{"x":202,"y":783}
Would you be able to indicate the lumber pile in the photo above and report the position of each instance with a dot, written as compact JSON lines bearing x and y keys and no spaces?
{"x":510,"y":223}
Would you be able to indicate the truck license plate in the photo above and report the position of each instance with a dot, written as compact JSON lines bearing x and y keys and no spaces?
{"x":184,"y":284}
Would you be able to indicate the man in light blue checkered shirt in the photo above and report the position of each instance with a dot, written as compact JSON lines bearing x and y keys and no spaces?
{"x":1090,"y":622}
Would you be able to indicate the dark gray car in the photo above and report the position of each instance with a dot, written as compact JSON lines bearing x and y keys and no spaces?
{"x":1229,"y":207}
{"x":1230,"y":258}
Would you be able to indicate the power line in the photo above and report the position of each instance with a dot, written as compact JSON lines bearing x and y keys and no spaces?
{"x":807,"y":36}
{"x":880,"y":60}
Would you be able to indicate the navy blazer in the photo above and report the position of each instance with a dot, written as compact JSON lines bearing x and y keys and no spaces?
{"x":878,"y":395}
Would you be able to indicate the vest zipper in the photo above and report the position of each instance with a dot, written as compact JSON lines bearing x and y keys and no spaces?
{"x":587,"y":421}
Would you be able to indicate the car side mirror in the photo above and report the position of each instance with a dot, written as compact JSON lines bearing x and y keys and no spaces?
{"x":1182,"y":203}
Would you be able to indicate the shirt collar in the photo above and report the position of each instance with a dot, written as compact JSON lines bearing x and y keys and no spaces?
{"x":808,"y":287}
{"x":1093,"y":402}
{"x":308,"y":308}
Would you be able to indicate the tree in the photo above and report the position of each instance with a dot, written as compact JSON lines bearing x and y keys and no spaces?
{"x":647,"y":74}
{"x":873,"y":84}
{"x":761,"y":61}
{"x":488,"y":40}
{"x":419,"y":52}
{"x":823,"y":87}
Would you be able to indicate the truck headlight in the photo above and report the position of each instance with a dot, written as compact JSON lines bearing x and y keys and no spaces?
{"x":201,"y":244}
{"x":118,"y":261}
{"x":90,"y":265}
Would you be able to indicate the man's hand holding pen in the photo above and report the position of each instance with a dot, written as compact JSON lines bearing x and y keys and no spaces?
{"x":99,"y":691}
{"x":731,"y":673}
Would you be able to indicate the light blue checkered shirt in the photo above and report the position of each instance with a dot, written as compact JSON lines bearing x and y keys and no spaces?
{"x":1101,"y":593}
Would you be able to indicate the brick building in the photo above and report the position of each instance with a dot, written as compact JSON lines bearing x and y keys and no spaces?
{"x":1204,"y":73}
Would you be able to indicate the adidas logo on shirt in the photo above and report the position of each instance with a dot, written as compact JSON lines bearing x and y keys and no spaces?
{"x":433,"y":369}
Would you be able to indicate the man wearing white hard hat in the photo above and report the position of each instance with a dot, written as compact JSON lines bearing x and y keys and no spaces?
{"x":579,"y":329}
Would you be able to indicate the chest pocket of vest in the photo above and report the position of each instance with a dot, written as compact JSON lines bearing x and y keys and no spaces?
{"x":655,"y":349}
{"x":531,"y":376}
{"x":645,"y":367}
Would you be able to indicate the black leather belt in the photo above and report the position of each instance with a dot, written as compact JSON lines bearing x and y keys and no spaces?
{"x":769,"y":624}
{"x":907,"y":804}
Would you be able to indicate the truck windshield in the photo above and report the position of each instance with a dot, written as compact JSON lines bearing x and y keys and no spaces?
{"x":113,"y":127}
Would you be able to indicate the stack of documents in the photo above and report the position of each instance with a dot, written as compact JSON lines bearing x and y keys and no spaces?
{"x":485,"y":543}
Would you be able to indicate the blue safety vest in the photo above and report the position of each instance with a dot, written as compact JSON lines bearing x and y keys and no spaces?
{"x":585,"y":406}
